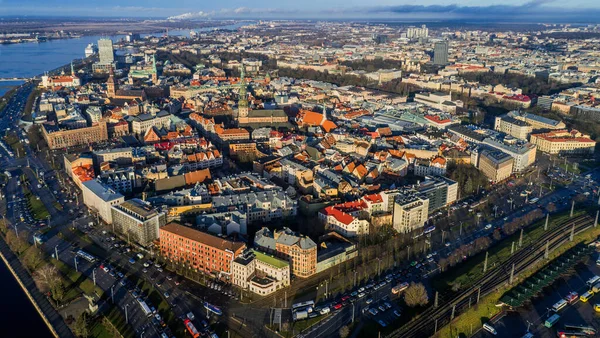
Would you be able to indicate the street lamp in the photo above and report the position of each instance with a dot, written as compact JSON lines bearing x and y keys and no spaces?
{"x":126,"y":317}
{"x":112,"y":294}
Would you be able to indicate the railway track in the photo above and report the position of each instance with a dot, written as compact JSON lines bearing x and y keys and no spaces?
{"x":433,"y":318}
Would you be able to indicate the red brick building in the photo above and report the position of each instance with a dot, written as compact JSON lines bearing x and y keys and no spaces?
{"x":198,"y":250}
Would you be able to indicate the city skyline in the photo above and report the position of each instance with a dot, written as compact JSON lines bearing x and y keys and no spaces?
{"x":530,"y":11}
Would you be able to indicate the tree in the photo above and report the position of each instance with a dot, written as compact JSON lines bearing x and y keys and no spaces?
{"x":344,"y":332}
{"x":81,"y":327}
{"x":33,"y":258}
{"x":416,"y":295}
{"x":17,"y":244}
{"x":47,"y":278}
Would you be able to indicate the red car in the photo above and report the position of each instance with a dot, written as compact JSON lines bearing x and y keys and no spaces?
{"x":572,"y":297}
{"x":345,"y":298}
{"x":337,"y":306}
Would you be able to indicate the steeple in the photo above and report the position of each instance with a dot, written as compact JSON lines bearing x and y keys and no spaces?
{"x":111,"y":86}
{"x":243,"y":101}
{"x":72,"y":69}
{"x":154,"y":71}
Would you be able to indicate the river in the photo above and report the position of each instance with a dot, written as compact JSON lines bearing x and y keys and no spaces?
{"x":19,"y":318}
{"x":31,"y":59}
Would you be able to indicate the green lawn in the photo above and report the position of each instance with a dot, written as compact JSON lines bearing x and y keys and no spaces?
{"x":36,"y":206}
{"x":472,"y":270}
{"x":118,"y":320}
{"x":99,"y":330}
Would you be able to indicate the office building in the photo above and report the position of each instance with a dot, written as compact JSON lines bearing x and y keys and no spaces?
{"x":106,"y":51}
{"x":138,"y":221}
{"x":58,"y":138}
{"x":440,"y":53}
{"x":101,"y":198}
{"x":199,"y":251}
{"x":494,"y":164}
{"x":440,"y":191}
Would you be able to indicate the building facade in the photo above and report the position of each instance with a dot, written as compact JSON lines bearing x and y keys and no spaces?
{"x":299,"y":250}
{"x":410,"y":212}
{"x":101,"y":198}
{"x":197,"y":250}
{"x":564,"y":142}
{"x":63,"y":138}
{"x":138,"y":221}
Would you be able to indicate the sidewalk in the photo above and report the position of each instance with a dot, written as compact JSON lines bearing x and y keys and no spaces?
{"x":43,"y":305}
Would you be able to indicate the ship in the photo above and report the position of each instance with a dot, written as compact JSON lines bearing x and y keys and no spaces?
{"x":90,"y":50}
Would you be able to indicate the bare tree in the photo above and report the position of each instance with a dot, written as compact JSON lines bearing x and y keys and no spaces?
{"x":33,"y":258}
{"x":416,"y":295}
{"x":47,"y":278}
{"x":18,"y":244}
{"x":344,"y":332}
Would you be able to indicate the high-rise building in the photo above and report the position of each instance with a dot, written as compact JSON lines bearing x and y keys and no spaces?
{"x":440,"y":53}
{"x":106,"y":51}
{"x":138,"y":221}
{"x":417,"y":33}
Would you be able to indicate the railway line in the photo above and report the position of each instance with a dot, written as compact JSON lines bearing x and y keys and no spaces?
{"x":435,"y":318}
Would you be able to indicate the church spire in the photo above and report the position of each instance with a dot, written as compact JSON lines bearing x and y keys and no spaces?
{"x":72,"y":69}
{"x":243,"y":101}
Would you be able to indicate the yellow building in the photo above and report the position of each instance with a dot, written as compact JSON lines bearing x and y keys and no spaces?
{"x":564,"y":142}
{"x":495,"y":165}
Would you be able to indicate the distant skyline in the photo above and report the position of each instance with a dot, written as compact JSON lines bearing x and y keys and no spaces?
{"x":510,"y":10}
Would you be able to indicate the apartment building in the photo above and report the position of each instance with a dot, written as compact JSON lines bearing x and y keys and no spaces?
{"x":564,"y":142}
{"x":200,"y":251}
{"x":141,"y":123}
{"x":513,"y":127}
{"x":410,"y":212}
{"x":299,"y":250}
{"x":118,"y":155}
{"x":138,"y":221}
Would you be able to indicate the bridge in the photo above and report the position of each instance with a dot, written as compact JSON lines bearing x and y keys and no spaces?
{"x":4,"y":79}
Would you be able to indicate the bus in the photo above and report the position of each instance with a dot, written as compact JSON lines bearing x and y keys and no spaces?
{"x":213,"y":308}
{"x":429,"y":229}
{"x":86,"y":256}
{"x":534,"y":200}
{"x":593,"y":280}
{"x":399,"y":288}
{"x":145,"y":308}
{"x":191,"y":328}
{"x":551,"y":321}
{"x":304,"y":305}
{"x":559,"y":305}
{"x":586,"y":296}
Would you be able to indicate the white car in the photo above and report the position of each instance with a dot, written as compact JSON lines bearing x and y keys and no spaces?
{"x":489,"y":329}
{"x":488,"y":227}
{"x":325,"y":310}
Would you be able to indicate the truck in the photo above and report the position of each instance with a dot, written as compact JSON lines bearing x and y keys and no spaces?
{"x":596,"y":288}
{"x":299,"y":315}
{"x":145,"y":308}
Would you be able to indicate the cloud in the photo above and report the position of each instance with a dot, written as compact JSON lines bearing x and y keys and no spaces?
{"x":192,"y":15}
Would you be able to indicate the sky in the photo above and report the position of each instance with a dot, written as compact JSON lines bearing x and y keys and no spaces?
{"x":478,"y":10}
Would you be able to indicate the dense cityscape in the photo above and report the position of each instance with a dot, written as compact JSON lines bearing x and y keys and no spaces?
{"x":307,"y":179}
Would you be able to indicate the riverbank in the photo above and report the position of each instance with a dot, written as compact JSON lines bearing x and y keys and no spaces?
{"x":55,"y":323}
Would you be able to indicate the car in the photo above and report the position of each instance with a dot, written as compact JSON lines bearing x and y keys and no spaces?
{"x":159,"y":269}
{"x":382,"y":323}
{"x":106,"y":269}
{"x":146,"y":264}
{"x":370,"y":300}
{"x":362,"y":289}
{"x":381,"y":308}
{"x":487,"y":327}
{"x":345,"y":298}
{"x":431,"y":260}
{"x":354,"y":294}
{"x":144,"y":270}
{"x":374,"y":312}
{"x":387,"y":305}
{"x":597,"y":307}
{"x":447,"y":244}
{"x":397,"y":313}
{"x":131,"y":260}
{"x":177,"y":282}
{"x":337,"y":306}
{"x":488,"y":227}
{"x":166,"y":294}
{"x":123,"y":282}
{"x":157,"y":265}
{"x":325,"y":310}
{"x":120,"y":274}
{"x":361,"y":295}
{"x":159,"y":283}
